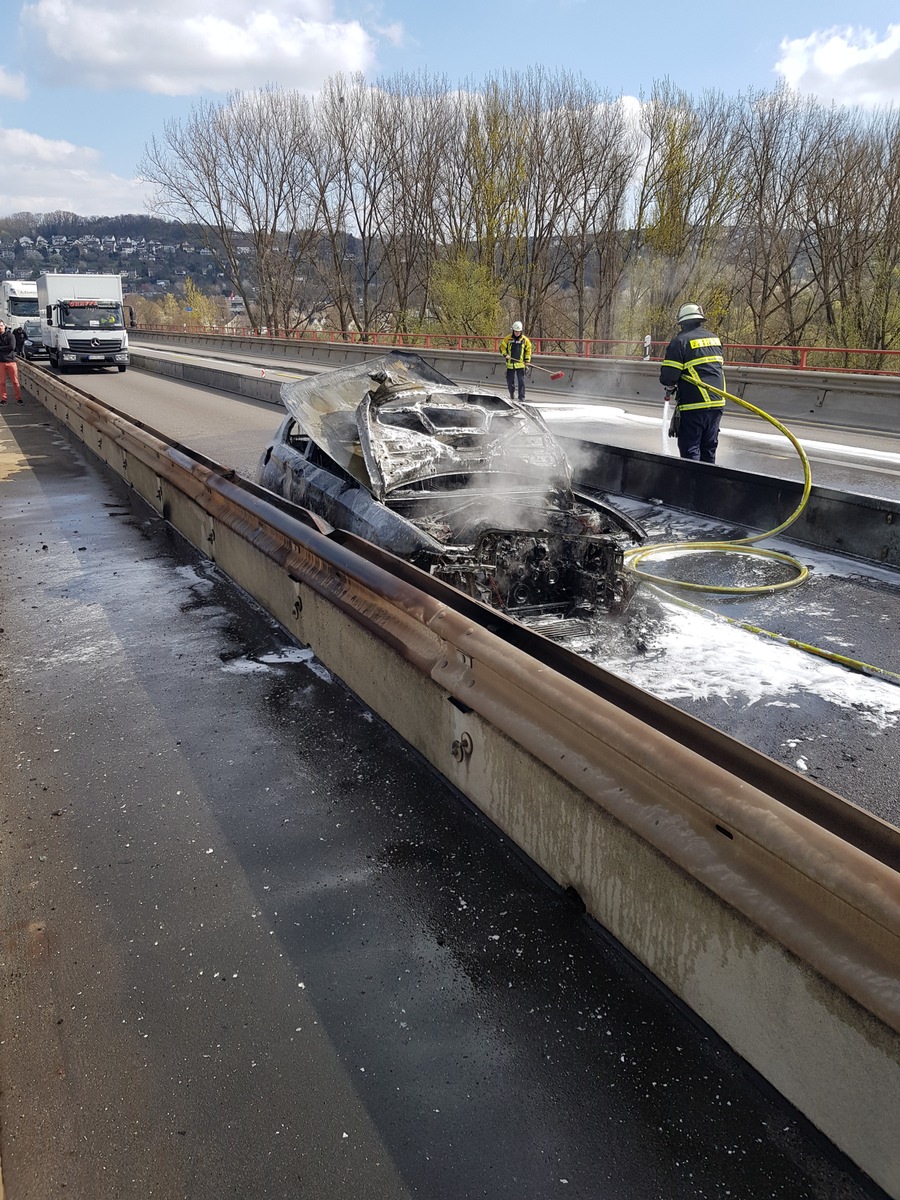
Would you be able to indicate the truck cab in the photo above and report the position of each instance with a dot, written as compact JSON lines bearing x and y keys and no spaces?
{"x":18,"y":302}
{"x":83,"y":320}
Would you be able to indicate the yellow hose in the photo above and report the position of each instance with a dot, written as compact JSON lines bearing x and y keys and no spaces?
{"x":738,"y":545}
{"x":746,"y":546}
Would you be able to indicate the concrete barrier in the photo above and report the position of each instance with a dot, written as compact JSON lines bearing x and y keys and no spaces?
{"x":848,"y":400}
{"x":864,"y":527}
{"x":253,"y":387}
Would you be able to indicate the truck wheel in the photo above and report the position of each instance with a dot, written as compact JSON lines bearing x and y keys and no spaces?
{"x":60,"y":366}
{"x":122,"y":368}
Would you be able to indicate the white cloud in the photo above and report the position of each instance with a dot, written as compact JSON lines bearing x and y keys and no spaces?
{"x":177,"y":49}
{"x":851,"y":65}
{"x":12,"y":85}
{"x":42,"y":175}
{"x":393,"y":33}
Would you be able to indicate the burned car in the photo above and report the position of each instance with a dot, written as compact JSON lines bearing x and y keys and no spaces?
{"x":468,"y":485}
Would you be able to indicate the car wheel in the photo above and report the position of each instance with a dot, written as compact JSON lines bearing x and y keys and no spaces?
{"x":122,"y":369}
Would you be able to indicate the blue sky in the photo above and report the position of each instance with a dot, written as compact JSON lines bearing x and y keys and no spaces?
{"x":84,"y":84}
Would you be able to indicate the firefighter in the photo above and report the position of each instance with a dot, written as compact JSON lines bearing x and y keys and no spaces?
{"x":516,"y":349}
{"x":692,"y":358}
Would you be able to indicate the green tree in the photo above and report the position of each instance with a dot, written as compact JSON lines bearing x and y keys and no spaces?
{"x":204,"y":310}
{"x":466,"y":296}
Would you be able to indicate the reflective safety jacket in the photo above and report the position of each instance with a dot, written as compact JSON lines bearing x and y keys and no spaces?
{"x":516,"y":351}
{"x":692,"y":358}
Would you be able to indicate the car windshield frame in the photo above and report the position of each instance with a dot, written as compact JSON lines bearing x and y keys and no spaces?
{"x":343,"y":410}
{"x":409,"y":436}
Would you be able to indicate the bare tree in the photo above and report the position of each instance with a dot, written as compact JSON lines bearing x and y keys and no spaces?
{"x":410,"y":202}
{"x":350,"y":167}
{"x":240,"y":170}
{"x":687,"y":196}
{"x":595,"y":166}
{"x":852,"y":211}
{"x":771,"y":259}
{"x":413,"y":139}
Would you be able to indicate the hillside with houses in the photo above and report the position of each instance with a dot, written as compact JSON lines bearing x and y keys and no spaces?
{"x":154,"y":263}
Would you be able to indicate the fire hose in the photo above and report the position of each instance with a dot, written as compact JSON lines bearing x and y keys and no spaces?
{"x":747,"y":546}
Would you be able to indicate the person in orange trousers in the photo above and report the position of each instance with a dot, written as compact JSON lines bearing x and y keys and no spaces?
{"x":8,"y":368}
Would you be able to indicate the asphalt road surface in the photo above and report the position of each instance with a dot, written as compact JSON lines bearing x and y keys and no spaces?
{"x":254,"y":947}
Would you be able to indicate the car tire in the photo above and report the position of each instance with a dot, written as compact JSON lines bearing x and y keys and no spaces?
{"x":122,"y":369}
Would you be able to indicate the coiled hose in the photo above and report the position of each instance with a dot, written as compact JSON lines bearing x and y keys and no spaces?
{"x":747,"y":546}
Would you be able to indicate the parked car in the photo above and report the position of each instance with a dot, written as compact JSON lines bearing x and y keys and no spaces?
{"x":468,"y":485}
{"x":33,"y":346}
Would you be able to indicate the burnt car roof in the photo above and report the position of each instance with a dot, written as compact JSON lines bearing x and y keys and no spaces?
{"x":396,"y":420}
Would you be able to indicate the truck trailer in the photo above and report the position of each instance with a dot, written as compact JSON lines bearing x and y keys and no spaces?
{"x":18,"y":302}
{"x":83,"y":320}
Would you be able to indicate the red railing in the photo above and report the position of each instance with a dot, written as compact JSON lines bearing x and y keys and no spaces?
{"x":794,"y":358}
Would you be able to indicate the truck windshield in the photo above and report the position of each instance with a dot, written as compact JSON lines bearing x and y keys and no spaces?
{"x":21,"y":306}
{"x":91,"y":314}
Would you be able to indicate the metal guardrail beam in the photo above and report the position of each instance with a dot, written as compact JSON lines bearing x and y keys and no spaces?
{"x":751,"y":911}
{"x":791,"y":358}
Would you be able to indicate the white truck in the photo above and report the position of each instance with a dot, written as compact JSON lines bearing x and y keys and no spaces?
{"x":18,"y":302}
{"x":83,"y":320}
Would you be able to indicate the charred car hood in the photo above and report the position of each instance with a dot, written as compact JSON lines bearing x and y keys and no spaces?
{"x":471,"y":487}
{"x":395,"y":421}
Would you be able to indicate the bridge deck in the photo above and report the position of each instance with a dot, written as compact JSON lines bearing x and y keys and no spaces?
{"x":257,"y":947}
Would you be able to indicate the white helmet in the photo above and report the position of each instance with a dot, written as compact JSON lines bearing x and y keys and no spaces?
{"x":517,"y":327}
{"x":689,"y":312}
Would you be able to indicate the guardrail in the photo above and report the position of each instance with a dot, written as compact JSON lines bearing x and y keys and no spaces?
{"x":793,"y":358}
{"x":779,"y":932}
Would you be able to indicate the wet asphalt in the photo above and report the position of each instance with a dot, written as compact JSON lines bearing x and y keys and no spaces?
{"x":254,"y":946}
